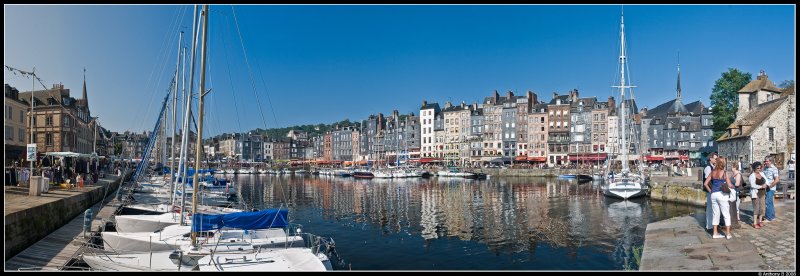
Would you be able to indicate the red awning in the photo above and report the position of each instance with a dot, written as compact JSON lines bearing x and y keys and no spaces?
{"x":684,"y":157}
{"x":654,"y":158}
{"x":538,"y":159}
{"x":430,"y":160}
{"x":520,"y":158}
{"x":588,"y":157}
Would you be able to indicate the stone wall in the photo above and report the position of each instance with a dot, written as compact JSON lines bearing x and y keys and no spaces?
{"x":762,"y":146}
{"x":677,"y":189}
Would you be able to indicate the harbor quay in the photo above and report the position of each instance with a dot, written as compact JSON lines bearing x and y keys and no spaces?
{"x":53,"y":217}
{"x":683,"y":243}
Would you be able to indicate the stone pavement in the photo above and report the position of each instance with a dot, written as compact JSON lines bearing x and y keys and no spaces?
{"x":683,"y":243}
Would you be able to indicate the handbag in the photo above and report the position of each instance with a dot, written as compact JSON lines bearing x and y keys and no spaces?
{"x":725,"y":188}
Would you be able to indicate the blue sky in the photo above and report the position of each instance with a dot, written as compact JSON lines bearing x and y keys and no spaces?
{"x":312,"y":64}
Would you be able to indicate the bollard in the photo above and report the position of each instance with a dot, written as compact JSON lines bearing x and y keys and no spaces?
{"x":87,"y":221}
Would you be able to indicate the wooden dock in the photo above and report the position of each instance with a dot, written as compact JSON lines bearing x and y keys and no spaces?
{"x":59,"y":248}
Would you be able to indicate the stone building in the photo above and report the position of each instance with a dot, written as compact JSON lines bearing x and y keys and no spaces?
{"x":558,"y":120}
{"x":537,"y":133}
{"x":16,"y":131}
{"x":61,"y":122}
{"x":674,"y":131}
{"x":456,"y":132}
{"x":764,"y":124}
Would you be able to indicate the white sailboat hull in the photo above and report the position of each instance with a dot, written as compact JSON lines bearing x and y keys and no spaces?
{"x":625,"y":189}
{"x":290,"y":259}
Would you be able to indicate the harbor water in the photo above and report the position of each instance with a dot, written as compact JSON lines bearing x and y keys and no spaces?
{"x":461,"y":224}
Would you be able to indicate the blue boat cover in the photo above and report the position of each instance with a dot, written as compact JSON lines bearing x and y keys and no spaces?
{"x":270,"y":218}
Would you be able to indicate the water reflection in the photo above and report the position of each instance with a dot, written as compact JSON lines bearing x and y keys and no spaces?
{"x":450,"y":223}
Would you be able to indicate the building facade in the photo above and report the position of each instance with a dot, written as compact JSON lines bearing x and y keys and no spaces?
{"x":762,"y":127}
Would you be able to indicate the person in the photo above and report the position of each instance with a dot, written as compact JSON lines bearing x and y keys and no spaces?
{"x":740,"y":164}
{"x":736,"y":179}
{"x":785,"y":187}
{"x":719,"y":200}
{"x":79,"y":180}
{"x":712,"y":160}
{"x":773,"y":178}
{"x":758,"y":185}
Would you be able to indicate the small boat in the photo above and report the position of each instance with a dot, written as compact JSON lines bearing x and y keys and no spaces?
{"x":363,"y":174}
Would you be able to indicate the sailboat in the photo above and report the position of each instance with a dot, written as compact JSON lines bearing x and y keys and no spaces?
{"x":624,"y":184}
{"x":230,"y":255}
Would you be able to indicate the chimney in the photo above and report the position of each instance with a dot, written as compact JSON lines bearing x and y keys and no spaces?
{"x":510,"y":94}
{"x":532,"y":100}
{"x":474,"y":106}
{"x":496,"y":97}
{"x":424,"y":103}
{"x":463,"y":105}
{"x":395,"y":113}
{"x":555,"y":95}
{"x":612,"y":105}
{"x":448,"y":105}
{"x":643,"y":112}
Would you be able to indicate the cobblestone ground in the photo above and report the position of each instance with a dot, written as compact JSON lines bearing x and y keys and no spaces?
{"x":776,"y":241}
{"x":683,"y":243}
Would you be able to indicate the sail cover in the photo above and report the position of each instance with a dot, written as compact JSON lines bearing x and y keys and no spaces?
{"x":270,"y":218}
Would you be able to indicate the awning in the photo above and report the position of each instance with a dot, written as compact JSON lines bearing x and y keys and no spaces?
{"x":67,"y":154}
{"x":538,"y":159}
{"x":347,"y":163}
{"x":588,"y":157}
{"x":654,"y":158}
{"x":430,"y":160}
{"x":521,"y":158}
{"x":684,"y":157}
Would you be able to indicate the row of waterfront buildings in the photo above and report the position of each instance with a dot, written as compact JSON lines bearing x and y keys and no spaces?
{"x":567,"y":129}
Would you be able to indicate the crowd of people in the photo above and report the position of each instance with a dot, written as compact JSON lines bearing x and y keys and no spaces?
{"x":726,"y":189}
{"x":77,"y":173}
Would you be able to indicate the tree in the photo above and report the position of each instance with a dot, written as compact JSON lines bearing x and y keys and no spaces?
{"x":724,"y":98}
{"x":786,"y":84}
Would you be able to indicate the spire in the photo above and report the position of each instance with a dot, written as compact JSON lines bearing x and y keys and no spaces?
{"x":85,"y":99}
{"x":678,"y":91}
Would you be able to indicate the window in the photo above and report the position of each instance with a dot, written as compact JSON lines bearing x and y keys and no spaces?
{"x":9,"y":132}
{"x":48,"y":139}
{"x":9,"y":113}
{"x":48,"y":120}
{"x":21,"y":116}
{"x":22,"y":135}
{"x":772,"y":134}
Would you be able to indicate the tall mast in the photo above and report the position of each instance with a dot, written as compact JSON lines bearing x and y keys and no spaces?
{"x":174,"y":110}
{"x":201,"y":94}
{"x":622,"y":86}
{"x":185,"y":130}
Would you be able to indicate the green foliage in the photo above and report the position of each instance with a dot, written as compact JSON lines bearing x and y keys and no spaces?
{"x":118,"y":149}
{"x":724,"y":99}
{"x":786,"y":84}
{"x":311,"y":130}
